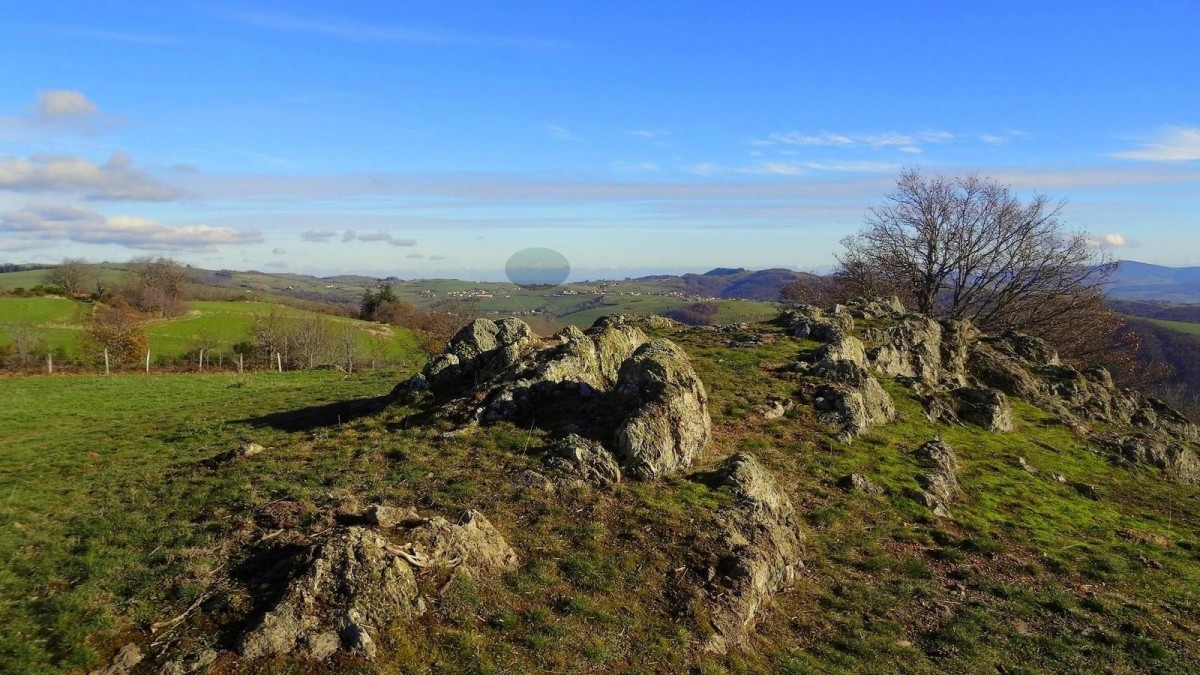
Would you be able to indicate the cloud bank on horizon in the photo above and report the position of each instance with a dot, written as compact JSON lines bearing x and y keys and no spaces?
{"x":430,"y":142}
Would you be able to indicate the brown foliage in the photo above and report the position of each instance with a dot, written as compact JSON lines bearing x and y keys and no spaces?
{"x":118,"y":328}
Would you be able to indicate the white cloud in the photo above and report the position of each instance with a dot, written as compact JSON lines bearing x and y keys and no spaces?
{"x":1176,"y":144}
{"x":560,"y":133}
{"x":81,"y":224}
{"x":1113,"y":240}
{"x":993,"y":139}
{"x":635,"y":167}
{"x":704,"y":169}
{"x":648,"y":134}
{"x":114,"y":180}
{"x":906,"y":142}
{"x":64,"y":103}
{"x":317,"y":235}
{"x":279,"y":250}
{"x":373,"y":32}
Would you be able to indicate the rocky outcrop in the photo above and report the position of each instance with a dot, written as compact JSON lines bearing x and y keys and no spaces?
{"x":807,"y":321}
{"x":668,"y":423}
{"x":762,"y":549}
{"x":992,"y":368}
{"x":584,"y":460}
{"x":852,"y":399}
{"x":356,"y":582}
{"x":1179,"y":462}
{"x":774,"y":408}
{"x":939,"y":485}
{"x":987,"y":408}
{"x":921,"y":349}
{"x":352,"y":587}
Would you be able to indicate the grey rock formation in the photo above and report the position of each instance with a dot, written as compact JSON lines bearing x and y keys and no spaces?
{"x":352,"y":587}
{"x":586,"y":460}
{"x":987,"y":408}
{"x":763,"y":549}
{"x":856,"y":482}
{"x":1175,"y":459}
{"x":852,"y":398}
{"x":126,"y":659}
{"x":669,"y":422}
{"x":939,"y":484}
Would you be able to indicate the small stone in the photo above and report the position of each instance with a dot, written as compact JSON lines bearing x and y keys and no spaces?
{"x":391,"y":516}
{"x":126,"y":659}
{"x":856,"y":482}
{"x":1026,"y":466}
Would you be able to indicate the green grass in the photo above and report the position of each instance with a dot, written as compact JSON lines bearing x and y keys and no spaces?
{"x":1181,"y":326}
{"x":108,"y":523}
{"x":60,"y":321}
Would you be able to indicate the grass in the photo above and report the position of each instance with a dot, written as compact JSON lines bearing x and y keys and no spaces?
{"x":59,"y":322}
{"x":1181,"y":326}
{"x":109,"y":523}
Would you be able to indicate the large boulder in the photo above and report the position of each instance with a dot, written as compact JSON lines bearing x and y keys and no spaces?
{"x":852,"y":398}
{"x":911,"y":347}
{"x":807,"y":321}
{"x":352,"y":587}
{"x":669,"y":422}
{"x":987,"y":408}
{"x":992,"y":368}
{"x":762,"y":549}
{"x":1033,"y":351}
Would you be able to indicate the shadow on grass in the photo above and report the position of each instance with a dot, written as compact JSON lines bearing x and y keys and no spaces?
{"x":313,"y":417}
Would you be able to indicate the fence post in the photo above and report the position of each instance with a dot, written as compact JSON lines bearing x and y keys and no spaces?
{"x":147,"y":361}
{"x":50,"y":363}
{"x":279,"y":360}
{"x":239,"y":364}
{"x":201,"y":360}
{"x":106,"y":360}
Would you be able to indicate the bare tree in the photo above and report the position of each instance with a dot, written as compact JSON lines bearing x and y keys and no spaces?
{"x":966,"y":247}
{"x":312,"y":338}
{"x":73,"y":275}
{"x":159,"y":288}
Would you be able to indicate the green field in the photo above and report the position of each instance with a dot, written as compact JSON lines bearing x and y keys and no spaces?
{"x":1181,"y":326}
{"x":109,"y":523}
{"x":59,"y":322}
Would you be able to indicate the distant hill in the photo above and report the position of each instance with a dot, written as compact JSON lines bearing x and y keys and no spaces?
{"x":1142,"y":281}
{"x":731,"y":283}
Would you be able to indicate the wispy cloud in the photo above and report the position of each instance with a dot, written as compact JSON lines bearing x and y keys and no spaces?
{"x":281,"y":162}
{"x":1113,"y":240}
{"x":145,"y":39}
{"x":351,"y":235}
{"x":57,"y":110}
{"x":64,"y":104}
{"x":1002,"y":138}
{"x":1175,"y":144}
{"x":83,"y":225}
{"x":648,"y":134}
{"x":351,"y":30}
{"x":561,"y":133}
{"x":906,"y":142}
{"x":114,"y":180}
{"x":317,"y":235}
{"x":278,"y":251}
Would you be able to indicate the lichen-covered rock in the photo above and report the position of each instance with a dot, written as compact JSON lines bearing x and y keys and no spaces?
{"x":126,"y":659}
{"x":856,"y":482}
{"x":1033,"y":351}
{"x":586,"y":460}
{"x":842,"y":348}
{"x":763,"y":549}
{"x":807,"y":321}
{"x":1175,"y":459}
{"x":987,"y":408}
{"x":939,"y":484}
{"x":352,"y":587}
{"x":911,"y":347}
{"x":669,"y":422}
{"x":996,"y":370}
{"x":472,"y":544}
{"x":774,"y":408}
{"x":853,"y":399}
{"x":384,"y":516}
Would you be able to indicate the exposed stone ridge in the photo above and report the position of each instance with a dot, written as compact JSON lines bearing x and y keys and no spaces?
{"x":643,"y":397}
{"x":763,"y":548}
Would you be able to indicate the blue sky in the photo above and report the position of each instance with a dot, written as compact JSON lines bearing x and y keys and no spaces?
{"x":436,"y":140}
